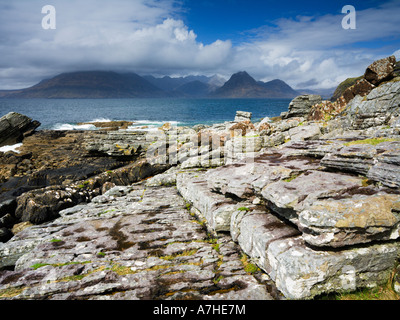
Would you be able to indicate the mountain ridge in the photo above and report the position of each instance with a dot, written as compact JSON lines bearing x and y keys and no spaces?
{"x":242,"y":85}
{"x":110,"y":84}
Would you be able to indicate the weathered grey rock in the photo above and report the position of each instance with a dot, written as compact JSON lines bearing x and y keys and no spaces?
{"x":396,"y":280}
{"x":42,"y":205}
{"x":240,"y":147}
{"x":356,"y":158}
{"x":118,"y":143}
{"x":301,"y":105}
{"x":306,"y":132}
{"x":215,"y":208}
{"x":396,"y":123}
{"x":311,"y":148}
{"x":378,"y":163}
{"x":386,"y":165}
{"x":128,"y":248}
{"x":376,"y":109}
{"x":23,"y":242}
{"x":273,"y":140}
{"x":356,"y":220}
{"x":289,"y":197}
{"x":255,"y":229}
{"x":247,"y":178}
{"x":287,"y":124}
{"x":14,"y":126}
{"x":242,"y":116}
{"x":204,"y":161}
{"x":168,"y":178}
{"x":301,"y":272}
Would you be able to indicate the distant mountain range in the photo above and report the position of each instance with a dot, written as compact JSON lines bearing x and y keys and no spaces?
{"x":104,"y":84}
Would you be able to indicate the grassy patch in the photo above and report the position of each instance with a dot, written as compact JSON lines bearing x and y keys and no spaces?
{"x":186,"y":253}
{"x":40,"y":265}
{"x":250,"y":268}
{"x":379,"y":293}
{"x":55,"y":240}
{"x":372,"y":141}
{"x":11,"y":292}
{"x":292,"y":177}
{"x":383,"y":292}
{"x":216,"y":247}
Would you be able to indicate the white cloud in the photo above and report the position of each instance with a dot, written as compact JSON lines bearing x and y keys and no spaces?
{"x":299,"y":50}
{"x":149,"y":36}
{"x":138,"y":36}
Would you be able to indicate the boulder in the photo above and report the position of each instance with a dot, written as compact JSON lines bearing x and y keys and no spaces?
{"x":243,"y":116}
{"x":356,"y":220}
{"x":290,"y":196}
{"x":241,"y":128}
{"x":376,"y":109}
{"x":301,"y":105}
{"x":14,"y":127}
{"x":362,"y":87}
{"x":117,"y":143}
{"x":380,"y":70}
{"x":305,"y":132}
{"x":301,"y":272}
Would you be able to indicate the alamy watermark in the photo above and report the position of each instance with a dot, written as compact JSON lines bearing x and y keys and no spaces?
{"x":49,"y":20}
{"x":349,"y":21}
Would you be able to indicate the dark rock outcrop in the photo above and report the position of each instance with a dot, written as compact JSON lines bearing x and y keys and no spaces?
{"x":42,"y":205}
{"x":14,"y":127}
{"x":341,"y":88}
{"x":380,"y":70}
{"x":375,"y":85}
{"x":301,"y":105}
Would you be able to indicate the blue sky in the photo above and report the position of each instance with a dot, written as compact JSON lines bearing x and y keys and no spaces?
{"x":239,"y":20}
{"x":300,"y":42}
{"x":230,"y":19}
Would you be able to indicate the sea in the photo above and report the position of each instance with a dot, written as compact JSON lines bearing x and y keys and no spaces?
{"x":67,"y":114}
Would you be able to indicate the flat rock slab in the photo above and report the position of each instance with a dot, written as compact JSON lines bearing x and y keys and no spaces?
{"x":214,"y":207}
{"x":245,"y":179}
{"x":289,"y":197}
{"x":279,"y":248}
{"x":355,"y":220}
{"x":301,"y":272}
{"x":386,"y":169}
{"x":143,"y":244}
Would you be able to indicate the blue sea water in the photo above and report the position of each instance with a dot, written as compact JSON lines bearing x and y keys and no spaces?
{"x":67,"y":113}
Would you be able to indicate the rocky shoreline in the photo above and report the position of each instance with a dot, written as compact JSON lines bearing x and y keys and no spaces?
{"x":293,"y":207}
